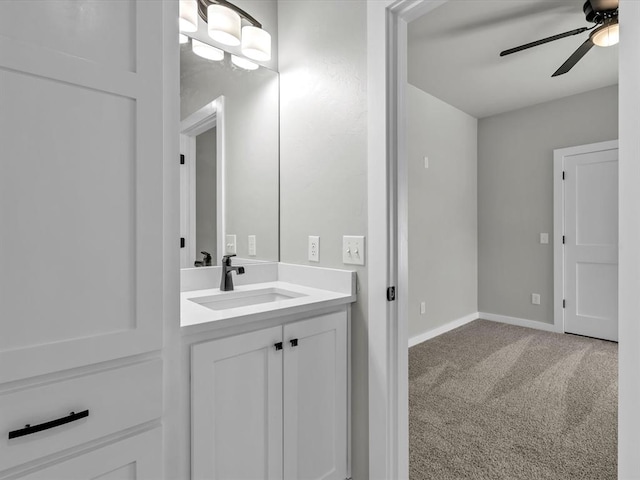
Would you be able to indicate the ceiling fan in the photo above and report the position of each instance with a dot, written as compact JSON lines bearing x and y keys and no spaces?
{"x":604,"y":33}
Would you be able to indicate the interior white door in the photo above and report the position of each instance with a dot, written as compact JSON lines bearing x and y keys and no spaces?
{"x":591,"y":243}
{"x":81,"y":197}
{"x":236,"y":407}
{"x":315,"y":398}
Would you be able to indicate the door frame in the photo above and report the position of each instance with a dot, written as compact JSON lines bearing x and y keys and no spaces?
{"x":209,"y":116}
{"x":559,"y":222}
{"x":386,"y":76}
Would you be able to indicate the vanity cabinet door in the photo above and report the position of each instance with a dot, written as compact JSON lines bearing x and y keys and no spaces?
{"x":315,"y":398}
{"x":236,"y":407}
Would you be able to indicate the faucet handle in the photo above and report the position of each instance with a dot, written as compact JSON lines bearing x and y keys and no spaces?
{"x":226,"y":260}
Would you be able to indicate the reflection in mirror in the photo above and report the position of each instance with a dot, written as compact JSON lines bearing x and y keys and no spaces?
{"x":229,"y":179}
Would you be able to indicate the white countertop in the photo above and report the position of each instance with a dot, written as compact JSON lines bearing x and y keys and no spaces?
{"x":195,"y":318}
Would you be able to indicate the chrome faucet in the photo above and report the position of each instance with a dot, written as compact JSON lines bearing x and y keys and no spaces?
{"x":226,"y":282}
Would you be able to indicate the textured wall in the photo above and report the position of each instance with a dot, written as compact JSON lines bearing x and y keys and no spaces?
{"x":323,"y":157}
{"x":515,"y":195}
{"x":443,"y":228}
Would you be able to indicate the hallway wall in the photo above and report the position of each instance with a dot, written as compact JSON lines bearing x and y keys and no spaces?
{"x":443,"y":220}
{"x":515,"y":196}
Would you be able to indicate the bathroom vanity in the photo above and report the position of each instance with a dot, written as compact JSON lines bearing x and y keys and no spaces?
{"x":266,"y":372}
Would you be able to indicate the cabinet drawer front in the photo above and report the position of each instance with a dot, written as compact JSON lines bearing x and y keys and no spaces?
{"x":116,"y":399}
{"x":135,"y":458}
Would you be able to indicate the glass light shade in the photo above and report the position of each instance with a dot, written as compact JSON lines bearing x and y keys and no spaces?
{"x":188,"y":16}
{"x":224,"y":25}
{"x":182,"y":38}
{"x":256,"y":43}
{"x":606,"y":36}
{"x":243,"y":63}
{"x":206,"y":51}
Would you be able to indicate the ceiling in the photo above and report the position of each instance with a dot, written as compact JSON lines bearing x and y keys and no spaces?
{"x":454,"y":54}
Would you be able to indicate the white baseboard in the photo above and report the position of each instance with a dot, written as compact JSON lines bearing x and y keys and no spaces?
{"x":520,"y":322}
{"x":423,"y":337}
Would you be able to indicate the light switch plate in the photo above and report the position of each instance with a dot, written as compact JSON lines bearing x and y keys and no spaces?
{"x":314,"y":248}
{"x":353,"y":252}
{"x":251,"y":242}
{"x":230,"y":245}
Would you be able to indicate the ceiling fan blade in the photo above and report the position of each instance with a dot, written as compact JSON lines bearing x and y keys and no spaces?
{"x":577,"y":31}
{"x":574,"y":58}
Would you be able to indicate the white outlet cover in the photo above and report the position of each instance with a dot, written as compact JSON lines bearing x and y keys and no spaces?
{"x":544,"y":238}
{"x":230,"y":244}
{"x":535,"y":298}
{"x":314,"y":248}
{"x":353,"y":250}
{"x":251,"y":242}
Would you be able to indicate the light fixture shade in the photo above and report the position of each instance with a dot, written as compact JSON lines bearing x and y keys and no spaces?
{"x":256,"y":43}
{"x":182,"y":38}
{"x":224,"y":25}
{"x":243,"y":63}
{"x":607,"y":35}
{"x":206,"y":51}
{"x":188,"y":15}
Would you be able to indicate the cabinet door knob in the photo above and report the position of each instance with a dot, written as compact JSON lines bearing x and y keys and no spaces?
{"x":294,"y":342}
{"x":278,"y":346}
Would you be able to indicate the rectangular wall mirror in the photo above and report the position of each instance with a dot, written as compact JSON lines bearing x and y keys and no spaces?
{"x":229,"y":172}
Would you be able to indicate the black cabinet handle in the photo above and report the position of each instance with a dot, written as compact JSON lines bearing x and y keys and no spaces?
{"x":278,"y":346}
{"x":294,"y":342}
{"x":28,"y":429}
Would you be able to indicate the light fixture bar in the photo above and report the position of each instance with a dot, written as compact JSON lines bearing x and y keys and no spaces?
{"x":203,"y":5}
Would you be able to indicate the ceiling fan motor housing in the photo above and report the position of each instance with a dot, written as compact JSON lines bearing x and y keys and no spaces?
{"x":599,"y":16}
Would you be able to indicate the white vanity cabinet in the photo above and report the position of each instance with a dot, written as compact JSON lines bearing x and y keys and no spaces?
{"x":272,"y":403}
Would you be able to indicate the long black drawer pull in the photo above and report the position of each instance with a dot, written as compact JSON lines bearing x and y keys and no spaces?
{"x":28,"y":429}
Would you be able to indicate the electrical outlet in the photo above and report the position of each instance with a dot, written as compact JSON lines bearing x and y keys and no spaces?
{"x":423,"y":308}
{"x":251,"y":242}
{"x":544,"y":238}
{"x":314,"y":248}
{"x":230,"y":245}
{"x":426,"y":162}
{"x":535,"y":298}
{"x":353,"y":250}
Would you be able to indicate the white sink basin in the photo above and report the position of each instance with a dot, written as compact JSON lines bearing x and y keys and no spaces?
{"x":236,"y":299}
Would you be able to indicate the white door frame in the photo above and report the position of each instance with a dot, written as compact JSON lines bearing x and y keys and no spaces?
{"x":388,"y":407}
{"x":209,"y":116}
{"x":558,"y":222}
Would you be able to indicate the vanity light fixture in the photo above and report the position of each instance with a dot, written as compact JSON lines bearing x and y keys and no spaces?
{"x":206,"y":51}
{"x":224,"y":24}
{"x":188,"y":15}
{"x":243,"y":63}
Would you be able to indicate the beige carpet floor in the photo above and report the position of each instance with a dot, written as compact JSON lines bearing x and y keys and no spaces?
{"x":495,"y":401}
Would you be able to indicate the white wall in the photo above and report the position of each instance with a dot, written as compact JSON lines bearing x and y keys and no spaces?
{"x":323,"y":157}
{"x":515,"y":195}
{"x":443,"y":228}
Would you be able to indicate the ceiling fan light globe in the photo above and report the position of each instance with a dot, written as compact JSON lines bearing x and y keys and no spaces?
{"x":606,"y":35}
